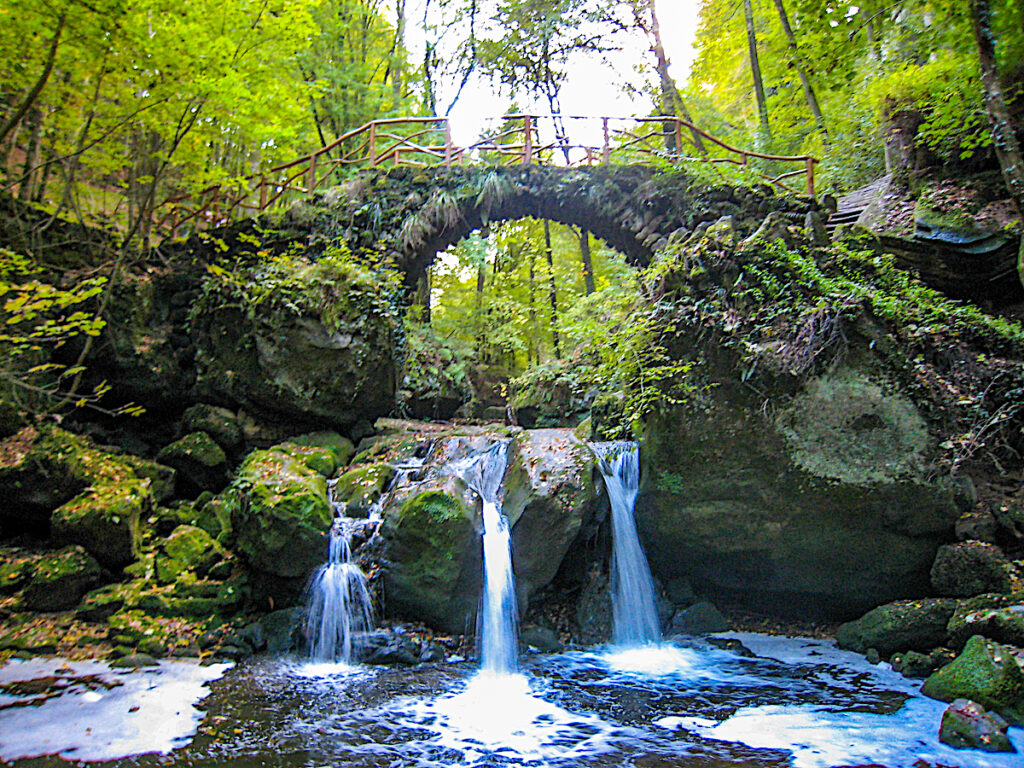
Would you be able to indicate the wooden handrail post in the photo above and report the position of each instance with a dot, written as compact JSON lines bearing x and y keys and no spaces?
{"x":528,"y":143}
{"x":447,"y":143}
{"x":311,"y":176}
{"x":679,"y":137}
{"x":809,"y":163}
{"x":606,"y":152}
{"x":373,"y":143}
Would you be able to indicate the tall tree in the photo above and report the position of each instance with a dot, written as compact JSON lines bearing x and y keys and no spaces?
{"x":805,"y":81}
{"x":552,"y":288}
{"x":755,"y":69}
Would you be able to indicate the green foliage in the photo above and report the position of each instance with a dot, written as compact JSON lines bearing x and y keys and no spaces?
{"x":433,"y":367}
{"x":37,"y":318}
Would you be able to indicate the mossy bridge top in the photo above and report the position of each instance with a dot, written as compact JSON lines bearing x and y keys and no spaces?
{"x":425,"y":143}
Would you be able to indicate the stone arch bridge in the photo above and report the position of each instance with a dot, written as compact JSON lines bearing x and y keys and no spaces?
{"x":416,"y":213}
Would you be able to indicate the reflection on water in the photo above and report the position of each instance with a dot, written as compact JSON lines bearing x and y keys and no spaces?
{"x":745,"y":700}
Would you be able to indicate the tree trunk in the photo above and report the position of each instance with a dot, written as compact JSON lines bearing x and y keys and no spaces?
{"x":812,"y":99}
{"x":671,"y":101}
{"x":532,"y":345}
{"x":398,"y":56}
{"x":33,"y":94}
{"x":755,"y":70}
{"x":588,"y":265}
{"x":28,"y":171}
{"x":421,"y":298}
{"x":552,"y":290}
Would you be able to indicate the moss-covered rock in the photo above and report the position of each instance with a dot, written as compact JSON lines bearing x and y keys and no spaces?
{"x":969,"y":568}
{"x":918,"y":625}
{"x":200,"y":462}
{"x":280,"y":515}
{"x":194,"y":548}
{"x":58,"y":581}
{"x":341,"y":447}
{"x":317,"y":458}
{"x":42,"y":468}
{"x":219,"y":423}
{"x":214,"y":517}
{"x":984,"y":672}
{"x":995,"y":617}
{"x":966,"y":725}
{"x":105,"y":520}
{"x":360,"y":487}
{"x":433,"y":548}
{"x":161,"y":478}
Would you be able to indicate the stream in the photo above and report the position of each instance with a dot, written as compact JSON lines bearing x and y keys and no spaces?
{"x":730,"y":700}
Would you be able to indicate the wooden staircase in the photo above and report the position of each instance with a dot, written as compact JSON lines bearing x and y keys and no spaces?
{"x":851,"y":206}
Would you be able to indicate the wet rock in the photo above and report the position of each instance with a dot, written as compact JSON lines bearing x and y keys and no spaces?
{"x":279,"y":630}
{"x":914,"y":664}
{"x":970,"y":568}
{"x":996,"y":617}
{"x":540,"y":638}
{"x":219,"y":423}
{"x":317,"y":458}
{"x":105,"y":520}
{"x":434,"y":552}
{"x":100,"y":604}
{"x":341,"y":448}
{"x":280,"y":513}
{"x":362,"y":486}
{"x":825,"y":510}
{"x":984,"y":672}
{"x":918,"y":625}
{"x":58,"y":581}
{"x":966,"y":725}
{"x":977,"y":525}
{"x":134,"y":661}
{"x":387,"y":647}
{"x":200,"y":462}
{"x":680,"y":592}
{"x":593,"y":617}
{"x":701,"y":618}
{"x":550,"y":493}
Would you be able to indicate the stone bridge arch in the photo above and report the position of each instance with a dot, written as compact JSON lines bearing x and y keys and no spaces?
{"x":417,"y":213}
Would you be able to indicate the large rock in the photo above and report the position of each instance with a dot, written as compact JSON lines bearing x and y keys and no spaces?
{"x":434,"y":553}
{"x":360,"y":487}
{"x":970,"y":568}
{"x":219,"y":423}
{"x":966,"y":725}
{"x":824,"y":510}
{"x":280,"y":516}
{"x":58,"y":581}
{"x":433,"y":525}
{"x":984,"y":672}
{"x":201,"y":463}
{"x":105,"y":520}
{"x":996,"y":617}
{"x":908,"y":625}
{"x":325,"y":353}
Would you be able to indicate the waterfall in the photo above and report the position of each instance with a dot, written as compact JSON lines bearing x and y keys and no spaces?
{"x":499,"y":637}
{"x":338,"y":612}
{"x":634,"y":612}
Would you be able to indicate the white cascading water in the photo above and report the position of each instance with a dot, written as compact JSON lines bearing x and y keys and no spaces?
{"x":498,"y":630}
{"x":338,"y":604}
{"x":634,"y":611}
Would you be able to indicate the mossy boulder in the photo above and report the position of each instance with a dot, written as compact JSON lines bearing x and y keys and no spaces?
{"x":161,"y":477}
{"x":918,"y":625}
{"x":58,"y":581}
{"x":319,"y":349}
{"x":550,"y":495}
{"x":317,"y":458}
{"x":214,"y":517}
{"x":984,"y":672}
{"x":360,"y":487}
{"x":280,"y":515}
{"x":341,"y":447}
{"x":105,"y":520}
{"x":969,"y":568}
{"x":995,"y":617}
{"x":200,"y":462}
{"x":966,"y":725}
{"x":824,"y":509}
{"x":45,"y":467}
{"x":433,"y":548}
{"x":188,"y":548}
{"x":219,"y":423}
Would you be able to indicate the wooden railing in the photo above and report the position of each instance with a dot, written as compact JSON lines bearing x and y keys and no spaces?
{"x":427,"y":142}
